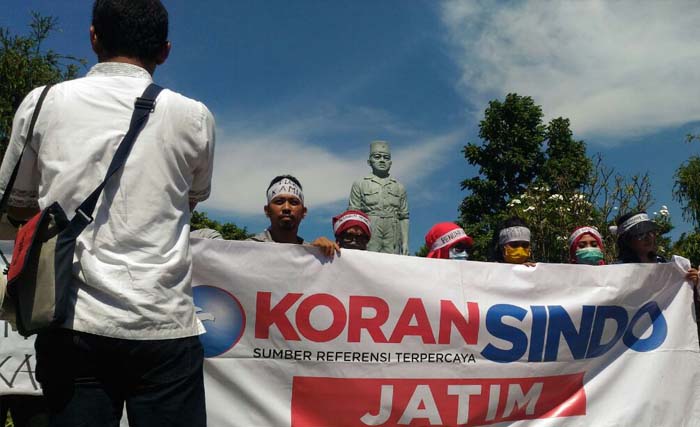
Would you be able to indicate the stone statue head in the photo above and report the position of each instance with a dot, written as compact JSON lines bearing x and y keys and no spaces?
{"x":379,"y":158}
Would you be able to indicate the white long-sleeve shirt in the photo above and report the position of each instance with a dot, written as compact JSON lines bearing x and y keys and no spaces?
{"x":132,"y":265}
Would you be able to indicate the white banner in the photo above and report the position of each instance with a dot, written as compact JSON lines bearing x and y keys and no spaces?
{"x":17,"y":363}
{"x":369,"y":339}
{"x":17,"y":356}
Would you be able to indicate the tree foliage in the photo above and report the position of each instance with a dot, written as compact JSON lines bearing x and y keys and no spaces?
{"x":518,"y":152}
{"x":422,"y":251}
{"x":614,"y":194}
{"x":24,"y":66}
{"x":551,"y":216}
{"x":687,"y":189}
{"x":688,"y":245}
{"x":228,"y":230}
{"x":540,"y":173}
{"x":566,"y":167}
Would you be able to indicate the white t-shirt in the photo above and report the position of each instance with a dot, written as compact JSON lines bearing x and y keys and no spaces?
{"x":132,"y":264}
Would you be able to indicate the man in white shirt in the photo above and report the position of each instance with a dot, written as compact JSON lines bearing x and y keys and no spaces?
{"x":132,"y":334}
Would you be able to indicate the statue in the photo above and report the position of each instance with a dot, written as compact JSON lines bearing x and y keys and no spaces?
{"x":383,"y":199}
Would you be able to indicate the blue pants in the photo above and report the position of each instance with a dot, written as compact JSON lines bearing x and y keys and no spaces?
{"x":87,"y":379}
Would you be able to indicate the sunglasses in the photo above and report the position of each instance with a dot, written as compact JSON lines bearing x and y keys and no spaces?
{"x":354,"y":238}
{"x":647,"y":235}
{"x":460,"y":247}
{"x":518,"y":244}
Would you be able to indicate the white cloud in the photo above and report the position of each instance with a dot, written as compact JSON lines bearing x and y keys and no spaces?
{"x":247,"y":159}
{"x":618,"y":69}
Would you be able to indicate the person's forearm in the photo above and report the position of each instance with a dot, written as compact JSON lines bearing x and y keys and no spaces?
{"x":404,"y":236}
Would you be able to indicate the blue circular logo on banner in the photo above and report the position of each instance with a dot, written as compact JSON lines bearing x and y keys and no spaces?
{"x":222,"y":316}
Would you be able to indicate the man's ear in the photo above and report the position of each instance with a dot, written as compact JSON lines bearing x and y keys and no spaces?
{"x":267,"y":211}
{"x":94,"y":42}
{"x":303,"y":213}
{"x":164,"y":53}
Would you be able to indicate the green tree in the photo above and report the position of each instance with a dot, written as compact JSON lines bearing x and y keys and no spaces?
{"x":24,"y":66}
{"x":422,"y":251}
{"x":228,"y":230}
{"x":688,"y":245}
{"x":518,"y":151}
{"x":566,"y":168}
{"x":686,"y":191}
{"x":614,"y":194}
{"x":551,"y":217}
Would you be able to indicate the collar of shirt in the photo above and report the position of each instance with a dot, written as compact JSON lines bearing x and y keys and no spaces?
{"x":381,"y":181}
{"x":119,"y":69}
{"x":266,"y":236}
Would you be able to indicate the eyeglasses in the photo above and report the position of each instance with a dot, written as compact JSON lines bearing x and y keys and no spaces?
{"x":519,"y":244}
{"x":354,"y":238}
{"x":647,"y":235}
{"x":460,"y":247}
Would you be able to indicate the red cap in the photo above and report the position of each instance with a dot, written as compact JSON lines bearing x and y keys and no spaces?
{"x":443,"y":236}
{"x":349,"y":219}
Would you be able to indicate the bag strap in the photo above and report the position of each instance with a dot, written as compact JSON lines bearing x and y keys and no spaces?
{"x":144,"y":105}
{"x":11,"y":183}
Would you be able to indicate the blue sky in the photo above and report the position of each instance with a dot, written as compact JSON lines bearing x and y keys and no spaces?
{"x":302,"y":87}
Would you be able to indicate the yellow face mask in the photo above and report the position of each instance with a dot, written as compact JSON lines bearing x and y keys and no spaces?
{"x":516,"y":255}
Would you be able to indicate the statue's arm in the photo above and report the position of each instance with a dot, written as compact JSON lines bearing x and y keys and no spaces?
{"x":355,"y":201}
{"x":403,"y":221}
{"x":404,"y":236}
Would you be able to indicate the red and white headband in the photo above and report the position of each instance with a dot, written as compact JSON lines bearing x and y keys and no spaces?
{"x":350,"y":217}
{"x":583,"y":230}
{"x":448,"y":238}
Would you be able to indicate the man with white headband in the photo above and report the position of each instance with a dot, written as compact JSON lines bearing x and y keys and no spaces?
{"x":285,"y":208}
{"x":352,"y":230}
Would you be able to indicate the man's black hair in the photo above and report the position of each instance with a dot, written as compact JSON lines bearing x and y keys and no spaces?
{"x":132,"y":28}
{"x":496,"y":250}
{"x":281,"y":177}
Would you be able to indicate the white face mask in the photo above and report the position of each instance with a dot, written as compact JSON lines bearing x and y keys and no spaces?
{"x":459,"y":255}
